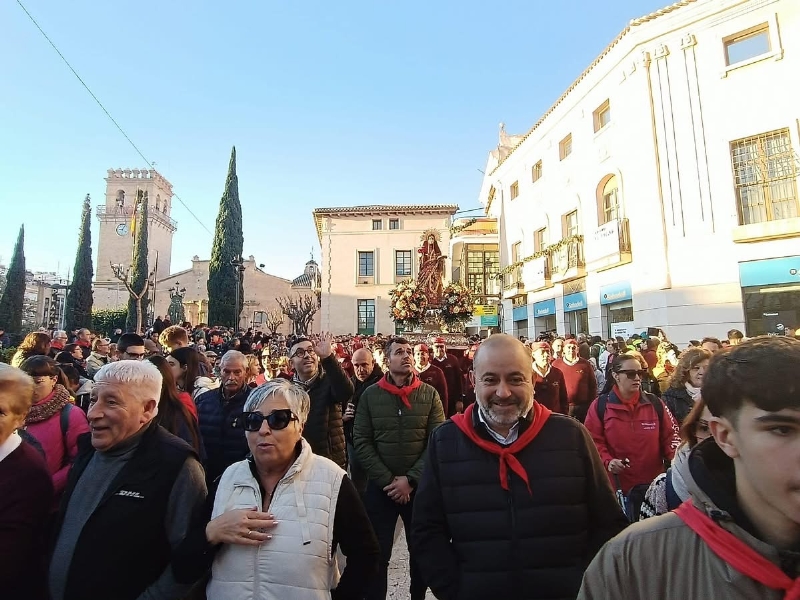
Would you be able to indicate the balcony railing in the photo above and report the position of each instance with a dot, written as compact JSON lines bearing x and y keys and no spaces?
{"x":125,"y":213}
{"x":513,"y":280}
{"x":609,"y":245}
{"x":570,"y":256}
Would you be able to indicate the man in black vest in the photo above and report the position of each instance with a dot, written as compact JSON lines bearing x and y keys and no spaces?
{"x":133,"y":493}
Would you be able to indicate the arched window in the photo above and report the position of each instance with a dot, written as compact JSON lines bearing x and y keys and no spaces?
{"x":120,"y":198}
{"x":608,"y":205}
{"x":158,"y":201}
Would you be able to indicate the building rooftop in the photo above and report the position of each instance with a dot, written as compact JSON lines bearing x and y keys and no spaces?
{"x":381,"y":209}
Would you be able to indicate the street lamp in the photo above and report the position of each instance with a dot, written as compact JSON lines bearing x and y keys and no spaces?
{"x":238,"y":265}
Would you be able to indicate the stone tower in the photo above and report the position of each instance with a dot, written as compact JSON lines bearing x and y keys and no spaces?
{"x":116,"y":240}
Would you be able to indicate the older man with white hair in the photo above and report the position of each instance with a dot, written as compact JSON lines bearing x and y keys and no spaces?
{"x":133,"y":493}
{"x":219,"y":413}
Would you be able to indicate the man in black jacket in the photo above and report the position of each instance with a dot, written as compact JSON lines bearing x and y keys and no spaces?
{"x":451,"y":367}
{"x":367,"y":374}
{"x":514,"y":501}
{"x":133,"y":493}
{"x":317,"y":370}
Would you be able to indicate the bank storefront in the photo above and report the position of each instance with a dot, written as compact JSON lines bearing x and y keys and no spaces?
{"x":544,"y":316}
{"x":616,"y":303}
{"x":576,"y":313}
{"x":771,"y":295}
{"x":519,"y":316}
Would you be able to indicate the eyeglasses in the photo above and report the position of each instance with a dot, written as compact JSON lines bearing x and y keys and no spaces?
{"x":702,"y":426}
{"x":277,"y":419}
{"x":42,"y":378}
{"x":303,"y":352}
{"x":632,"y":374}
{"x":135,"y":355}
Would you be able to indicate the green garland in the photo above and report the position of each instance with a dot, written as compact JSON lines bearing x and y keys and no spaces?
{"x":456,"y":229}
{"x":543,"y":252}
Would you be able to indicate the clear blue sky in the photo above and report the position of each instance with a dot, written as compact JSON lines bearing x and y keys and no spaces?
{"x":328,"y":104}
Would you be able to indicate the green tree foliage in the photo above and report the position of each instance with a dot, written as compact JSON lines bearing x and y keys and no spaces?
{"x":14,"y":294}
{"x":78,"y":307}
{"x":104,"y":322}
{"x":228,"y":245}
{"x":137,"y":307}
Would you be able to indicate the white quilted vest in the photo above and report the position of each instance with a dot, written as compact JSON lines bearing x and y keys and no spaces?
{"x":296,"y":564}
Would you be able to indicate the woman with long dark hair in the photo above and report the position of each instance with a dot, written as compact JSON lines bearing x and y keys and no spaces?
{"x":173,"y":413}
{"x":185,"y":366}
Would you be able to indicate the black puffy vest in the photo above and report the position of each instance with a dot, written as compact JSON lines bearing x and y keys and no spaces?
{"x":223,"y":436}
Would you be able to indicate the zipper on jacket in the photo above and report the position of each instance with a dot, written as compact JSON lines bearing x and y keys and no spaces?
{"x":517,"y":575}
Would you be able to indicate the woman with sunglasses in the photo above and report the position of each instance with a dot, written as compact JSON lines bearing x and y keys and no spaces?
{"x":279,"y":516}
{"x":633,"y":431}
{"x":668,"y":490}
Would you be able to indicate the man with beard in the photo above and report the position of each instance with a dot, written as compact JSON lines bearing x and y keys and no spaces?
{"x":429,"y":373}
{"x":393,"y":423}
{"x":367,"y":374}
{"x":318,"y":372}
{"x":579,"y":380}
{"x":514,"y":501}
{"x":219,"y":413}
{"x":451,"y":368}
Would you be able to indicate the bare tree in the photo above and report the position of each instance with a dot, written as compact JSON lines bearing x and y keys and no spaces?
{"x":124,"y":275}
{"x":274,"y":319}
{"x":300,"y":310}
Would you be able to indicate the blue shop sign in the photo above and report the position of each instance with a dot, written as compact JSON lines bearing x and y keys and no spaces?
{"x":545,"y":308}
{"x":576,"y":301}
{"x":770,"y":271}
{"x":520,"y":313}
{"x":616,"y":292}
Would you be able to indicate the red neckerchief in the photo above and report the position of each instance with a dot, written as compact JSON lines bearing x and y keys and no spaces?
{"x":632,"y":401}
{"x":506,"y":453}
{"x":404,"y":392}
{"x":737,"y":553}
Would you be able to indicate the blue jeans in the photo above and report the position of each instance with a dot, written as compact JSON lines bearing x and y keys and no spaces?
{"x":383,"y":513}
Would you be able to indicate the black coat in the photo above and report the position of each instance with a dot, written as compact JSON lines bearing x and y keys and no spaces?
{"x":329,"y":393}
{"x":358,"y":389}
{"x":679,"y":403}
{"x":474,"y":540}
{"x":451,"y":367}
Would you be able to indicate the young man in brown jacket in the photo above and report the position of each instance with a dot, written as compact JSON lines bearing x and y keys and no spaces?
{"x":737,"y":536}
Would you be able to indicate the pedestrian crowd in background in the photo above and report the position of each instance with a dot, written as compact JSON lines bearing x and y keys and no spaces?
{"x":201,"y":462}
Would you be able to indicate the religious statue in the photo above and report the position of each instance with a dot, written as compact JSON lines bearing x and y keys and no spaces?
{"x":431,"y":268}
{"x":175,"y":311}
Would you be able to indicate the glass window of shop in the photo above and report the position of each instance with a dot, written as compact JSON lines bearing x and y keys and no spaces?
{"x":483,"y":264}
{"x":772,"y":309}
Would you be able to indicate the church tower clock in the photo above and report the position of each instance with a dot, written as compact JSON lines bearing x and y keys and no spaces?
{"x":116,"y":238}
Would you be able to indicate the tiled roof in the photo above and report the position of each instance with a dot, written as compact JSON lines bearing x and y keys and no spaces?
{"x":633,"y":23}
{"x":380,"y":209}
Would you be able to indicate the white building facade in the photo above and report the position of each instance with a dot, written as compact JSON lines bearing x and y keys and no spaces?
{"x":660,"y":190}
{"x":366,"y":252}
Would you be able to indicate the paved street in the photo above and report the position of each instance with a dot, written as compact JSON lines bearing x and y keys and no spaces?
{"x":398,"y":569}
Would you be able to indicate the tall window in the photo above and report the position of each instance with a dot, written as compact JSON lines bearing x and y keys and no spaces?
{"x":394,"y":223}
{"x":765,"y":177}
{"x":570,"y":224}
{"x":514,"y":189}
{"x":483,"y":264}
{"x":402,"y":263}
{"x":377,"y":224}
{"x":158,"y":201}
{"x":747,"y":44}
{"x":516,"y":252}
{"x":565,"y":147}
{"x":536,"y":172}
{"x":608,"y":201}
{"x":540,"y":239}
{"x":366,"y":317}
{"x":601,"y":116}
{"x":366,"y":264}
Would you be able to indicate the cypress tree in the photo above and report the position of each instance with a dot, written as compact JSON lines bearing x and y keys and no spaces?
{"x":78,"y":307}
{"x":228,"y":245}
{"x":138,"y":277}
{"x":14,"y":294}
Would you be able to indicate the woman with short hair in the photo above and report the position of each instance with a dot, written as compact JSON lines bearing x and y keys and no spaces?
{"x":685,"y":382}
{"x":280,"y":515}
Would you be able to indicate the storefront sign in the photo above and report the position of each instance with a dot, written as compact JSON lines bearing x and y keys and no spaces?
{"x":534,"y":273}
{"x":489,"y":321}
{"x":616,"y":292}
{"x":485,"y":310}
{"x":577,"y":301}
{"x":520,"y":313}
{"x":770,"y":271}
{"x":544,"y":309}
{"x":624,"y":330}
{"x":604,"y":241}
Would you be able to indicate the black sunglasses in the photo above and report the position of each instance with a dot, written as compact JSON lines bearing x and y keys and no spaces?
{"x":277,"y":419}
{"x":631,"y":373}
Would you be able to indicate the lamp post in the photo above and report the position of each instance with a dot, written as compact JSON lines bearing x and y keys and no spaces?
{"x":176,"y":295}
{"x":238,"y":264}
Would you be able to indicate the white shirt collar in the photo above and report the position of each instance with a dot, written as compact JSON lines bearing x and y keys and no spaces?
{"x":425,"y":368}
{"x":12,"y":443}
{"x":545,"y":374}
{"x":513,"y":432}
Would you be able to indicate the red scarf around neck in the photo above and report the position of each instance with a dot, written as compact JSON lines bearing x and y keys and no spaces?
{"x":404,"y":392}
{"x":737,"y":553}
{"x":632,"y":401}
{"x":506,"y":453}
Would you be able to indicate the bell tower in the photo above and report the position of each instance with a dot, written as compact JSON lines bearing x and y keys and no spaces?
{"x":115,"y":244}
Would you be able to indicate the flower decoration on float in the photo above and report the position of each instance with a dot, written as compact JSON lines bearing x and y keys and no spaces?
{"x":458,"y":304}
{"x":408,"y":304}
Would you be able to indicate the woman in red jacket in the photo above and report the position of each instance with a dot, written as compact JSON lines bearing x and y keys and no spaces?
{"x":635,"y":433}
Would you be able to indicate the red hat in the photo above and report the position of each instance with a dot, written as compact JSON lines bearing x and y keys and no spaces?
{"x":439,"y":340}
{"x":571,"y":341}
{"x":423,"y":347}
{"x":540,"y":346}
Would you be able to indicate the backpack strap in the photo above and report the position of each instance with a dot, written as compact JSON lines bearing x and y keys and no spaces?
{"x":673,"y":500}
{"x":64,"y":420}
{"x":602,"y":400}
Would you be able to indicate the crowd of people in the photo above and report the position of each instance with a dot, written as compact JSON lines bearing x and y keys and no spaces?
{"x":197,"y":462}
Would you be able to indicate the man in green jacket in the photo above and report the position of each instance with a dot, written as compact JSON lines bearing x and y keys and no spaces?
{"x":394,"y":420}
